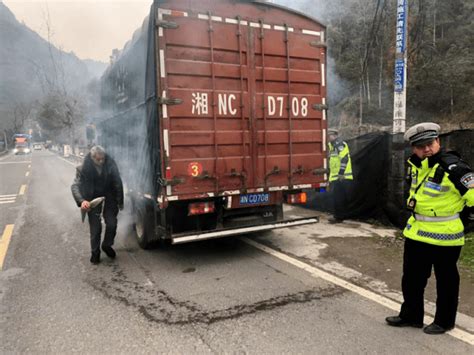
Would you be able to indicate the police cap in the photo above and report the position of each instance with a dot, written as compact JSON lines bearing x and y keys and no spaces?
{"x":422,"y":133}
{"x":333,"y":131}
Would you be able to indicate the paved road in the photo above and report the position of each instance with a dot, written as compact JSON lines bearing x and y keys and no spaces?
{"x":213,"y":296}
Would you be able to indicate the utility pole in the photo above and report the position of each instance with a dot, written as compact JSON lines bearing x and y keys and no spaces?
{"x":400,"y":75}
{"x":396,"y":181}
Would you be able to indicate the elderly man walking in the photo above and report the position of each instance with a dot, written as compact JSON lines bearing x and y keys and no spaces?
{"x":98,"y":177}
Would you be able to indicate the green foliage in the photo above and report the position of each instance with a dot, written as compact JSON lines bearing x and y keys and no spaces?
{"x":442,"y":61}
{"x":361,"y":35}
{"x":467,"y":253}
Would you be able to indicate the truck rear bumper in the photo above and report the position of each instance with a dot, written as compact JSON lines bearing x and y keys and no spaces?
{"x":191,"y":237}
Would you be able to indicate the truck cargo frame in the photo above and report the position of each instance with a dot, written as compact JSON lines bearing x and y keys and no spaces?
{"x":219,"y":116}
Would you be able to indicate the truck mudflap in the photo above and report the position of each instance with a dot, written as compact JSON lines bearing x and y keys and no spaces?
{"x":191,"y":237}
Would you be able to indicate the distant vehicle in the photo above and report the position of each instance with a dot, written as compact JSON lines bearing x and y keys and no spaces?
{"x":37,"y":146}
{"x":3,"y":142}
{"x":22,"y":144}
{"x":217,"y":121}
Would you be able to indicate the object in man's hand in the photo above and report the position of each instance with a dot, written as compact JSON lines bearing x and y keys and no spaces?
{"x":94,"y":203}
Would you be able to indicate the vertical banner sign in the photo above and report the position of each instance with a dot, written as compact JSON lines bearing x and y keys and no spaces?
{"x":400,"y":74}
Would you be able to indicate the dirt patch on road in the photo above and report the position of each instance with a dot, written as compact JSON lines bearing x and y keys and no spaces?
{"x":158,"y":306}
{"x":381,"y":258}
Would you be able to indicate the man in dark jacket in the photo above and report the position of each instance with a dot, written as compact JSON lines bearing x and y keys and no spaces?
{"x":97,"y":177}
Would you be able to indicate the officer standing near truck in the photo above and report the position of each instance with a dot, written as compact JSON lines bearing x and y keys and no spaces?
{"x":340,"y":175}
{"x":442,"y":184}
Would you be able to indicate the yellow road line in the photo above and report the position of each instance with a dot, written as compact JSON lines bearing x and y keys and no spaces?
{"x":7,"y":233}
{"x":27,"y":173}
{"x":22,"y":190}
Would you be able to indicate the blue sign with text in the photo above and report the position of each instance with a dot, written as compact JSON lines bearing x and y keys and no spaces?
{"x":401,"y":26}
{"x":398,"y":82}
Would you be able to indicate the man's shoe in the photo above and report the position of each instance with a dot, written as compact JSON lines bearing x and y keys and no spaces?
{"x":396,"y":321}
{"x":109,"y":251}
{"x":435,"y":329}
{"x":335,"y":220}
{"x":95,"y":259}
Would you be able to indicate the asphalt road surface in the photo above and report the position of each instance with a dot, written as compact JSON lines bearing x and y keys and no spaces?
{"x":220,"y":296}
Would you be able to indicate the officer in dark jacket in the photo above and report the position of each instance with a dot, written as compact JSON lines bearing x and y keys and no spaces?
{"x":99,"y":176}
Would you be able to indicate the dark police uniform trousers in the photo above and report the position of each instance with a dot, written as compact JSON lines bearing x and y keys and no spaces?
{"x":418,"y":260}
{"x":341,"y":196}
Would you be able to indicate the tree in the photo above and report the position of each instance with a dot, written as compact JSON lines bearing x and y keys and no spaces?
{"x":361,"y":36}
{"x":59,"y":115}
{"x":21,"y":113}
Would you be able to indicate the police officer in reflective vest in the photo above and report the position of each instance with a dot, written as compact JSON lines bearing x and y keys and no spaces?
{"x":340,"y":175}
{"x":442,"y":184}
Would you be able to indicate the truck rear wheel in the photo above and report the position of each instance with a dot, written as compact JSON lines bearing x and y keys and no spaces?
{"x":144,"y":226}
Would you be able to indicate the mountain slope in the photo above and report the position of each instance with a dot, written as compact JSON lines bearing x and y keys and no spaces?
{"x":30,"y":66}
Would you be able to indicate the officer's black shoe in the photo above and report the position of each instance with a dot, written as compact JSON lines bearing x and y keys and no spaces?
{"x":396,"y":321}
{"x":435,"y":329}
{"x":335,"y":220}
{"x":109,"y":251}
{"x":95,"y":259}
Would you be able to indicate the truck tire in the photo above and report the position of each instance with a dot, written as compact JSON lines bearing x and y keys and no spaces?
{"x":144,"y":226}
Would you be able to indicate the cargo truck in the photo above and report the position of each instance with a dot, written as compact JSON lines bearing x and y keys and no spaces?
{"x":216,"y":114}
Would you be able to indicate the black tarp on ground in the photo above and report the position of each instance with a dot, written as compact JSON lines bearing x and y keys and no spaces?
{"x":371,"y":197}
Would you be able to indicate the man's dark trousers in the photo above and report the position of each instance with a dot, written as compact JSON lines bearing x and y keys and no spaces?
{"x":341,"y":190}
{"x":110,"y":217}
{"x":418,"y":260}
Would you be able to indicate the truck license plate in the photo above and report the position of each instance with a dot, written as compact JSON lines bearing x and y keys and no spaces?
{"x":254,"y":199}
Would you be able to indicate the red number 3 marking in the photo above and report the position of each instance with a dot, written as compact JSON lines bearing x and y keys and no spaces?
{"x":194,"y":169}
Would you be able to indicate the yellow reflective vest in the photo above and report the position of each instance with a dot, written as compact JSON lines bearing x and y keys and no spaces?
{"x":339,"y":160}
{"x":441,"y":186}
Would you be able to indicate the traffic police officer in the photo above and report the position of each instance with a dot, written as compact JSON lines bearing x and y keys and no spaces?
{"x":442,"y":184}
{"x":340,"y":174}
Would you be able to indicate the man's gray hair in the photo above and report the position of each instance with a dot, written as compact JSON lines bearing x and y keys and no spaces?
{"x":97,"y":149}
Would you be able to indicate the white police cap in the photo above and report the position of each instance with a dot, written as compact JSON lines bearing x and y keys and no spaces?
{"x":422,"y":133}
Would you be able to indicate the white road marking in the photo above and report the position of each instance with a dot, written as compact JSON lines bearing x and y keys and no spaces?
{"x":67,"y":161}
{"x":22,"y":190}
{"x":384,"y":301}
{"x":7,"y":199}
{"x":27,"y":174}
